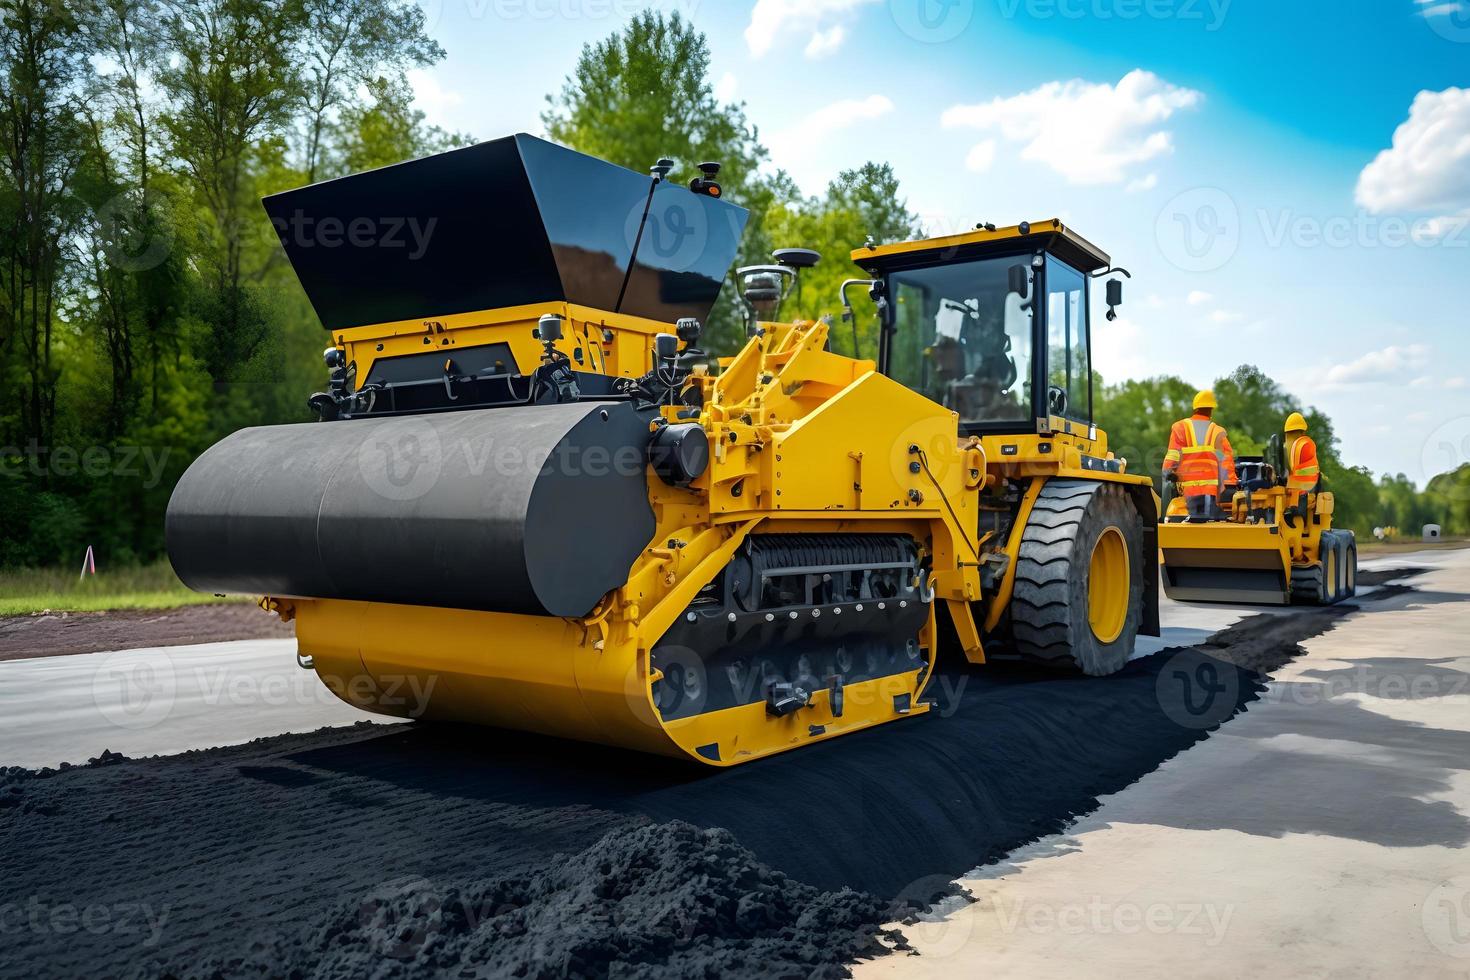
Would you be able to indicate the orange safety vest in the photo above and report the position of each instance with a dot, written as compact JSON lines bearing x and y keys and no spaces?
{"x":1304,"y":471}
{"x":1200,"y":454}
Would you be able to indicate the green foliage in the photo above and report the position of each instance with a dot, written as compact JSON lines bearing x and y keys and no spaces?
{"x":643,"y":94}
{"x":1137,"y":416}
{"x":1446,"y":502}
{"x":861,"y":205}
{"x":145,"y":309}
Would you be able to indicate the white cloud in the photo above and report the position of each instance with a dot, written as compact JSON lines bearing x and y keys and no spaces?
{"x":840,"y":115}
{"x":980,"y":157}
{"x":1427,"y":168}
{"x":1443,"y":8}
{"x":726,"y":87}
{"x":792,"y":146}
{"x":1392,"y":363}
{"x":1198,"y":297}
{"x":770,"y":19}
{"x":825,"y":42}
{"x":432,"y":97}
{"x":1089,"y":132}
{"x":1226,"y":316}
{"x":1146,"y":183}
{"x":1456,"y":383}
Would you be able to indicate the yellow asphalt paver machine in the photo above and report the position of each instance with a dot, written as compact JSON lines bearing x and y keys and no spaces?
{"x":1269,"y":544}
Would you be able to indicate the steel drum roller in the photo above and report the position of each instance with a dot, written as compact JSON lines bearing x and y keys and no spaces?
{"x":535,"y":509}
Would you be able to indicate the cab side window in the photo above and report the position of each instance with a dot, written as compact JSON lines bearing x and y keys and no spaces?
{"x":1069,"y":363}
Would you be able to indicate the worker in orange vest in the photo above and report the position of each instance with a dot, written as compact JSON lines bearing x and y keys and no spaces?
{"x":1302,"y":469}
{"x":1200,"y":458}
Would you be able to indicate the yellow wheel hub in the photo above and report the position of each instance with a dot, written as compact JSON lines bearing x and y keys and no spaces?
{"x":1108,"y":586}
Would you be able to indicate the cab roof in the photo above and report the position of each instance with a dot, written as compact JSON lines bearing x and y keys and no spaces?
{"x":1050,"y":234}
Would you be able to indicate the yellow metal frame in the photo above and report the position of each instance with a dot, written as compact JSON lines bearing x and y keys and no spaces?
{"x":981,"y":236}
{"x":608,"y":343}
{"x":1242,"y":541}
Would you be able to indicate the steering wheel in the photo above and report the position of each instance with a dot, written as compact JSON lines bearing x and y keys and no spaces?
{"x":1056,"y":400}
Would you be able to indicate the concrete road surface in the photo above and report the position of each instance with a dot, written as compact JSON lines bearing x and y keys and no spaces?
{"x":159,"y":700}
{"x":1322,"y":833}
{"x":163,"y":700}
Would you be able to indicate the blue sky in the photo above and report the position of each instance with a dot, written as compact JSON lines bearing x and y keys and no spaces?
{"x":1288,"y":182}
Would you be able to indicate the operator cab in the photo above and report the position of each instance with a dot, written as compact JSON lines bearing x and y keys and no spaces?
{"x":993,"y":324}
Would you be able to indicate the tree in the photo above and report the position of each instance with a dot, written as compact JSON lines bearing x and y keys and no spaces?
{"x":388,"y":130}
{"x":644,"y":93}
{"x":861,"y":205}
{"x":41,"y":57}
{"x":348,"y":43}
{"x":234,"y":80}
{"x":1137,"y":416}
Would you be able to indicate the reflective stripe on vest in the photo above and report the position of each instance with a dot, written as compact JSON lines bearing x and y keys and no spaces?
{"x":1203,"y":463}
{"x":1303,"y":477}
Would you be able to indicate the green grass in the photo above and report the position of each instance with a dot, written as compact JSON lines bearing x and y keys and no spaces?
{"x":29,"y":590}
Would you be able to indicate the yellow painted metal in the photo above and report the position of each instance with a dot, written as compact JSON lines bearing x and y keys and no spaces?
{"x":981,"y":236}
{"x":1257,"y":534}
{"x":962,"y":614}
{"x":1108,"y":585}
{"x":608,"y":343}
{"x":1002,"y":598}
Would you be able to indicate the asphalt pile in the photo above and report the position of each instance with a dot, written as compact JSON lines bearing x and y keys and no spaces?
{"x":468,"y":852}
{"x":667,"y":900}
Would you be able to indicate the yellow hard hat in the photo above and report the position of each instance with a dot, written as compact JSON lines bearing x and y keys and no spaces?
{"x":1295,"y":422}
{"x":1205,"y":399}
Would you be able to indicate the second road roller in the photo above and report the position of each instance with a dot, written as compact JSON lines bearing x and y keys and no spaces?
{"x":531,"y":497}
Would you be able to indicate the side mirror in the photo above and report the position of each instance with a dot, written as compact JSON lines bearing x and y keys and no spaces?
{"x":1018,"y":279}
{"x":1114,"y":297}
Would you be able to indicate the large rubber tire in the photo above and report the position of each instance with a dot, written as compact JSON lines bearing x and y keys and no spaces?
{"x":1350,"y":567}
{"x":1049,"y":612}
{"x":1306,"y":586}
{"x":1331,"y":555}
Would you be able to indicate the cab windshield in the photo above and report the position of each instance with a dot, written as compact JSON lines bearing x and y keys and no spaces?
{"x":961,"y":338}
